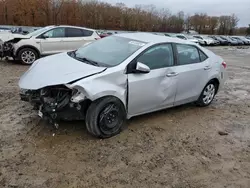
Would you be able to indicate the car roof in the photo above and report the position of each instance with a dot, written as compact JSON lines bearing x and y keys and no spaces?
{"x":54,"y":26}
{"x":152,"y":38}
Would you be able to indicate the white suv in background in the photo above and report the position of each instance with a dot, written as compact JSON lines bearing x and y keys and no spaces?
{"x":49,"y":40}
{"x":188,"y":38}
{"x":206,"y":40}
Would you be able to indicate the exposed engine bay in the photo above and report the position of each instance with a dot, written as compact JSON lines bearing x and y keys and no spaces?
{"x":55,"y":103}
{"x":7,"y":47}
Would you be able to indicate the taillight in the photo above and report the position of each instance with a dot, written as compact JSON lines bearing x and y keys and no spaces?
{"x":224,"y":64}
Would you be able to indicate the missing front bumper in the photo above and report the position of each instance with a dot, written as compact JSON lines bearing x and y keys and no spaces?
{"x":6,"y":50}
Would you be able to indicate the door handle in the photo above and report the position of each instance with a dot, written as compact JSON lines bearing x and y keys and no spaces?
{"x":172,"y":74}
{"x":207,"y":67}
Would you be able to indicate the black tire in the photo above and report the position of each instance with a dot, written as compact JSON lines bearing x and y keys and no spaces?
{"x":97,"y":118}
{"x":201,"y":102}
{"x":33,"y":58}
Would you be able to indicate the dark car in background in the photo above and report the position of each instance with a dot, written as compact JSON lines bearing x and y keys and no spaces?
{"x":220,"y":40}
{"x":229,"y":40}
{"x":240,"y":42}
{"x":244,"y":40}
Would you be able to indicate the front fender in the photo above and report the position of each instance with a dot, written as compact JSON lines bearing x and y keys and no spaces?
{"x":98,"y":86}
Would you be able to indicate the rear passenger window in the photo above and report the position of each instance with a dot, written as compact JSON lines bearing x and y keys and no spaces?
{"x":87,"y":33}
{"x":203,"y":56}
{"x":187,"y":54}
{"x":74,"y":32}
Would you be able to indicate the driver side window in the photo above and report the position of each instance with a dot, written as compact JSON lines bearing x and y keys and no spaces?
{"x":159,"y":56}
{"x":55,"y":33}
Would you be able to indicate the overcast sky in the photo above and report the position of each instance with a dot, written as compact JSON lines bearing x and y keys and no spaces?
{"x":212,"y":7}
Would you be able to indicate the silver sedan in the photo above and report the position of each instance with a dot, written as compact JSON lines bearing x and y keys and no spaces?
{"x":121,"y":76}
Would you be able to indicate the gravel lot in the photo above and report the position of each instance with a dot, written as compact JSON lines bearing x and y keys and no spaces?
{"x":174,"y":148}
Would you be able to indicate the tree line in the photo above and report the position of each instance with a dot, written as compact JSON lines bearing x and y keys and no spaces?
{"x":101,"y":15}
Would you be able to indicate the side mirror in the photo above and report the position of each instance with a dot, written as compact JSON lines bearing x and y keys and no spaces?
{"x":44,"y":36}
{"x":142,"y":68}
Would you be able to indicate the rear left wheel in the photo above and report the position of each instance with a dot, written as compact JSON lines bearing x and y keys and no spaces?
{"x":208,"y":94}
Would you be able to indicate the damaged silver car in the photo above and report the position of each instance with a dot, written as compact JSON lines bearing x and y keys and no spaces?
{"x":121,"y":76}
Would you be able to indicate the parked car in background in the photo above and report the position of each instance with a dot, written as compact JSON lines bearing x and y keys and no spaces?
{"x":189,"y":38}
{"x":24,"y":30}
{"x":206,"y":40}
{"x":105,"y":34}
{"x":240,"y":42}
{"x":4,"y":29}
{"x":121,"y":76}
{"x":229,"y":40}
{"x":244,"y":40}
{"x":220,"y":40}
{"x":47,"y":41}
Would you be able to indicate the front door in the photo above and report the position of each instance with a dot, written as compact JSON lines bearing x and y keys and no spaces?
{"x":193,"y":69}
{"x":52,"y":41}
{"x":156,"y":89}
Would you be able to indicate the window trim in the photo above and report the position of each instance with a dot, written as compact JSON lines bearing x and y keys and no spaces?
{"x":198,"y":49}
{"x":131,"y":66}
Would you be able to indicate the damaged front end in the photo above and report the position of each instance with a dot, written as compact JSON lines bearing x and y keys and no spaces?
{"x":56,"y":103}
{"x":6,"y":49}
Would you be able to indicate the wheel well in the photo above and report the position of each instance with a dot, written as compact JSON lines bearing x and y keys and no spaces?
{"x":31,"y":47}
{"x":88,"y":102}
{"x":216,"y":81}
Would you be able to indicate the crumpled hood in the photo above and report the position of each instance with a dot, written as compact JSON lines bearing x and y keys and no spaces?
{"x":6,"y":36}
{"x":55,"y":70}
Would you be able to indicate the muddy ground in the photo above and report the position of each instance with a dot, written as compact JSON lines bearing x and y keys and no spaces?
{"x":174,"y":148}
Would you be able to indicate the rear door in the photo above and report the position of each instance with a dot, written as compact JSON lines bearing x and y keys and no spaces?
{"x":193,"y":68}
{"x":52,"y":41}
{"x":77,"y":37}
{"x":156,"y":89}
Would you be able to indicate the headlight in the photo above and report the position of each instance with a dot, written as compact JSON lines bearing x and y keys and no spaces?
{"x":77,"y":97}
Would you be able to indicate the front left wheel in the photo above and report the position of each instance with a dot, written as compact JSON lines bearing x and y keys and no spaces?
{"x":105,"y":117}
{"x":27,"y":56}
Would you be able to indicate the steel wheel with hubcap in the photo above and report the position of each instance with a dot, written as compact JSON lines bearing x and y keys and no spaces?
{"x":207,"y":94}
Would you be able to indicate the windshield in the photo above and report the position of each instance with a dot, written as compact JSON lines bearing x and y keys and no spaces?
{"x":39,"y":31}
{"x":109,"y":51}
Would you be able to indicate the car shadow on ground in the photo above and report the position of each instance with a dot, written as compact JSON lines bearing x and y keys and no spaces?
{"x":78,"y":128}
{"x":10,"y":61}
